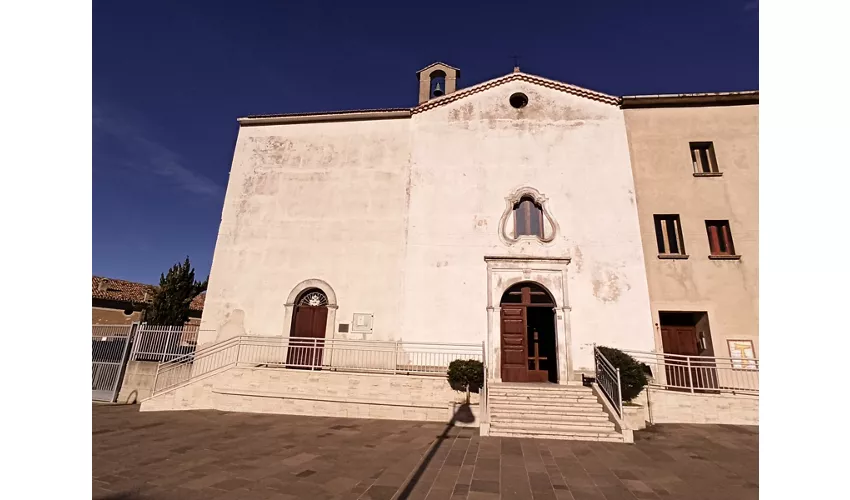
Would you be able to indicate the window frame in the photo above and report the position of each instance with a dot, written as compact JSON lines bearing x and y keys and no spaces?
{"x":710,"y":156}
{"x":662,"y":227}
{"x":526,"y":215}
{"x":720,"y":231}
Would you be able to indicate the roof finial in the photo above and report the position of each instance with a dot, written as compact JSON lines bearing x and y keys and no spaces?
{"x":516,"y":64}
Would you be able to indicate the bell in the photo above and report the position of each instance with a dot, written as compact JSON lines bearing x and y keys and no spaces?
{"x":437,"y":90}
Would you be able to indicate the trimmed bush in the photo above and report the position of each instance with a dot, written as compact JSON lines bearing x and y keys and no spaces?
{"x":466,"y":375}
{"x":633,"y":374}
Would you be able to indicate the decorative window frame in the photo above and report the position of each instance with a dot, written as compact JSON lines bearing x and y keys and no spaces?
{"x":505,"y":234}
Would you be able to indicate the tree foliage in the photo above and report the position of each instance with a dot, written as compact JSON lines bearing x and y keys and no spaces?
{"x":171,"y":300}
{"x":466,"y":375}
{"x":633,"y":374}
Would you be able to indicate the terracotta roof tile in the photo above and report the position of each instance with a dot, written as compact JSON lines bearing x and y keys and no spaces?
{"x":130,"y":291}
{"x":198,"y":302}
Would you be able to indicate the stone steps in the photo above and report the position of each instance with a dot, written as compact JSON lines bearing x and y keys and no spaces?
{"x":611,"y":437}
{"x":558,"y":402}
{"x":559,"y":415}
{"x":548,"y":412}
{"x":493,"y":389}
{"x":554,"y":425}
{"x":547,"y":407}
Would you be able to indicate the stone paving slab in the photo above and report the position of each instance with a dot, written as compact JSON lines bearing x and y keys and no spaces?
{"x":219,"y":455}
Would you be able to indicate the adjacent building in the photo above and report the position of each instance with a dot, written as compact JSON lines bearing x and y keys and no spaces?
{"x":695,"y":164}
{"x":121,"y":302}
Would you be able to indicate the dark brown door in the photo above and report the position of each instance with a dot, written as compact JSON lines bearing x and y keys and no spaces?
{"x":680,"y":340}
{"x":309,"y":323}
{"x":514,"y":349}
{"x":699,"y":373}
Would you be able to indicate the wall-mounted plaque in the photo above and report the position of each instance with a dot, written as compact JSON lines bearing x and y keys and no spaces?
{"x":362,"y":323}
{"x":743,"y":354}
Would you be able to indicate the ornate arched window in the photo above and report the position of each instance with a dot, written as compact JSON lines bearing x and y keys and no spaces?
{"x":313,"y":297}
{"x":528,"y":218}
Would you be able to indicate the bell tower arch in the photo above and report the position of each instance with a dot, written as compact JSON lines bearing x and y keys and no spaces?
{"x":437,"y":80}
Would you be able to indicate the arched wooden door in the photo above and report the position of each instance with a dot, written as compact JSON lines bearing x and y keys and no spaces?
{"x":309,"y":323}
{"x":528,"y":334}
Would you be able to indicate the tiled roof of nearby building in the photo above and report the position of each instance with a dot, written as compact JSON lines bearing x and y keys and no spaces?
{"x":198,"y":302}
{"x":130,"y":291}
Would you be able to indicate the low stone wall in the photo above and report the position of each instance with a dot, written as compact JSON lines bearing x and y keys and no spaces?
{"x":667,"y":407}
{"x":138,"y":381}
{"x":318,"y":393}
{"x":139,"y":377}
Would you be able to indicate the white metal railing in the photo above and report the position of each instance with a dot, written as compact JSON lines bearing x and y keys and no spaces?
{"x":408,"y":358}
{"x":704,"y":374}
{"x":101,"y":331}
{"x":163,"y":343}
{"x":608,"y":380}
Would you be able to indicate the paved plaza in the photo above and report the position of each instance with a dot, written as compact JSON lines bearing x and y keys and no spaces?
{"x":218,"y":455}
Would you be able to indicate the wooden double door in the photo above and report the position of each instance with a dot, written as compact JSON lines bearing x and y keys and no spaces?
{"x":528,"y":338}
{"x":306,"y":343}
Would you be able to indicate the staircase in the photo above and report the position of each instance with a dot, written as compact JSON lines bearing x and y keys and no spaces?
{"x":548,"y":411}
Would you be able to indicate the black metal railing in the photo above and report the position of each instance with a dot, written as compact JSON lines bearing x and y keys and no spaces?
{"x":608,"y":379}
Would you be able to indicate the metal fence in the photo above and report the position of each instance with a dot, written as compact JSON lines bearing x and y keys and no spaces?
{"x":109,"y":356}
{"x":703,"y":374}
{"x":163,"y":343}
{"x":608,"y":380}
{"x":409,"y":358}
{"x":115,"y":345}
{"x":100,"y":331}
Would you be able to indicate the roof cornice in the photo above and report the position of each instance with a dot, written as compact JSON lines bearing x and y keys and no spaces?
{"x":626,"y":102}
{"x":329,"y":116}
{"x":686,"y":100}
{"x":438,"y":63}
{"x":525,"y":77}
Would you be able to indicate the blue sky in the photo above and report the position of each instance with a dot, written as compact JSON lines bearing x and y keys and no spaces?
{"x":169,"y":80}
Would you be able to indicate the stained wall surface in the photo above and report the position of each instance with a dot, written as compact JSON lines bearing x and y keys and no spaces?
{"x":397,"y":216}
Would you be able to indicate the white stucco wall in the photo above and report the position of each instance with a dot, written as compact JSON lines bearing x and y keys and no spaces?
{"x":467,"y":157}
{"x":398,"y":215}
{"x":310,"y":201}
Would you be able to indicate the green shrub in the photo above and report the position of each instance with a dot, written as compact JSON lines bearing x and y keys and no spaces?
{"x":466,"y":375}
{"x":633,"y":374}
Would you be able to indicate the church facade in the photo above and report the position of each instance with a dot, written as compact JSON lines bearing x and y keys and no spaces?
{"x":518,"y":213}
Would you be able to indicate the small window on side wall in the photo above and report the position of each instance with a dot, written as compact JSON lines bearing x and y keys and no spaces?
{"x":668,"y":236}
{"x":704,"y":159}
{"x":720,"y":238}
{"x":528,"y":218}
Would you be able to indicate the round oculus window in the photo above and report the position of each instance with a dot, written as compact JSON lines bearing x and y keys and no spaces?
{"x":518,"y":100}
